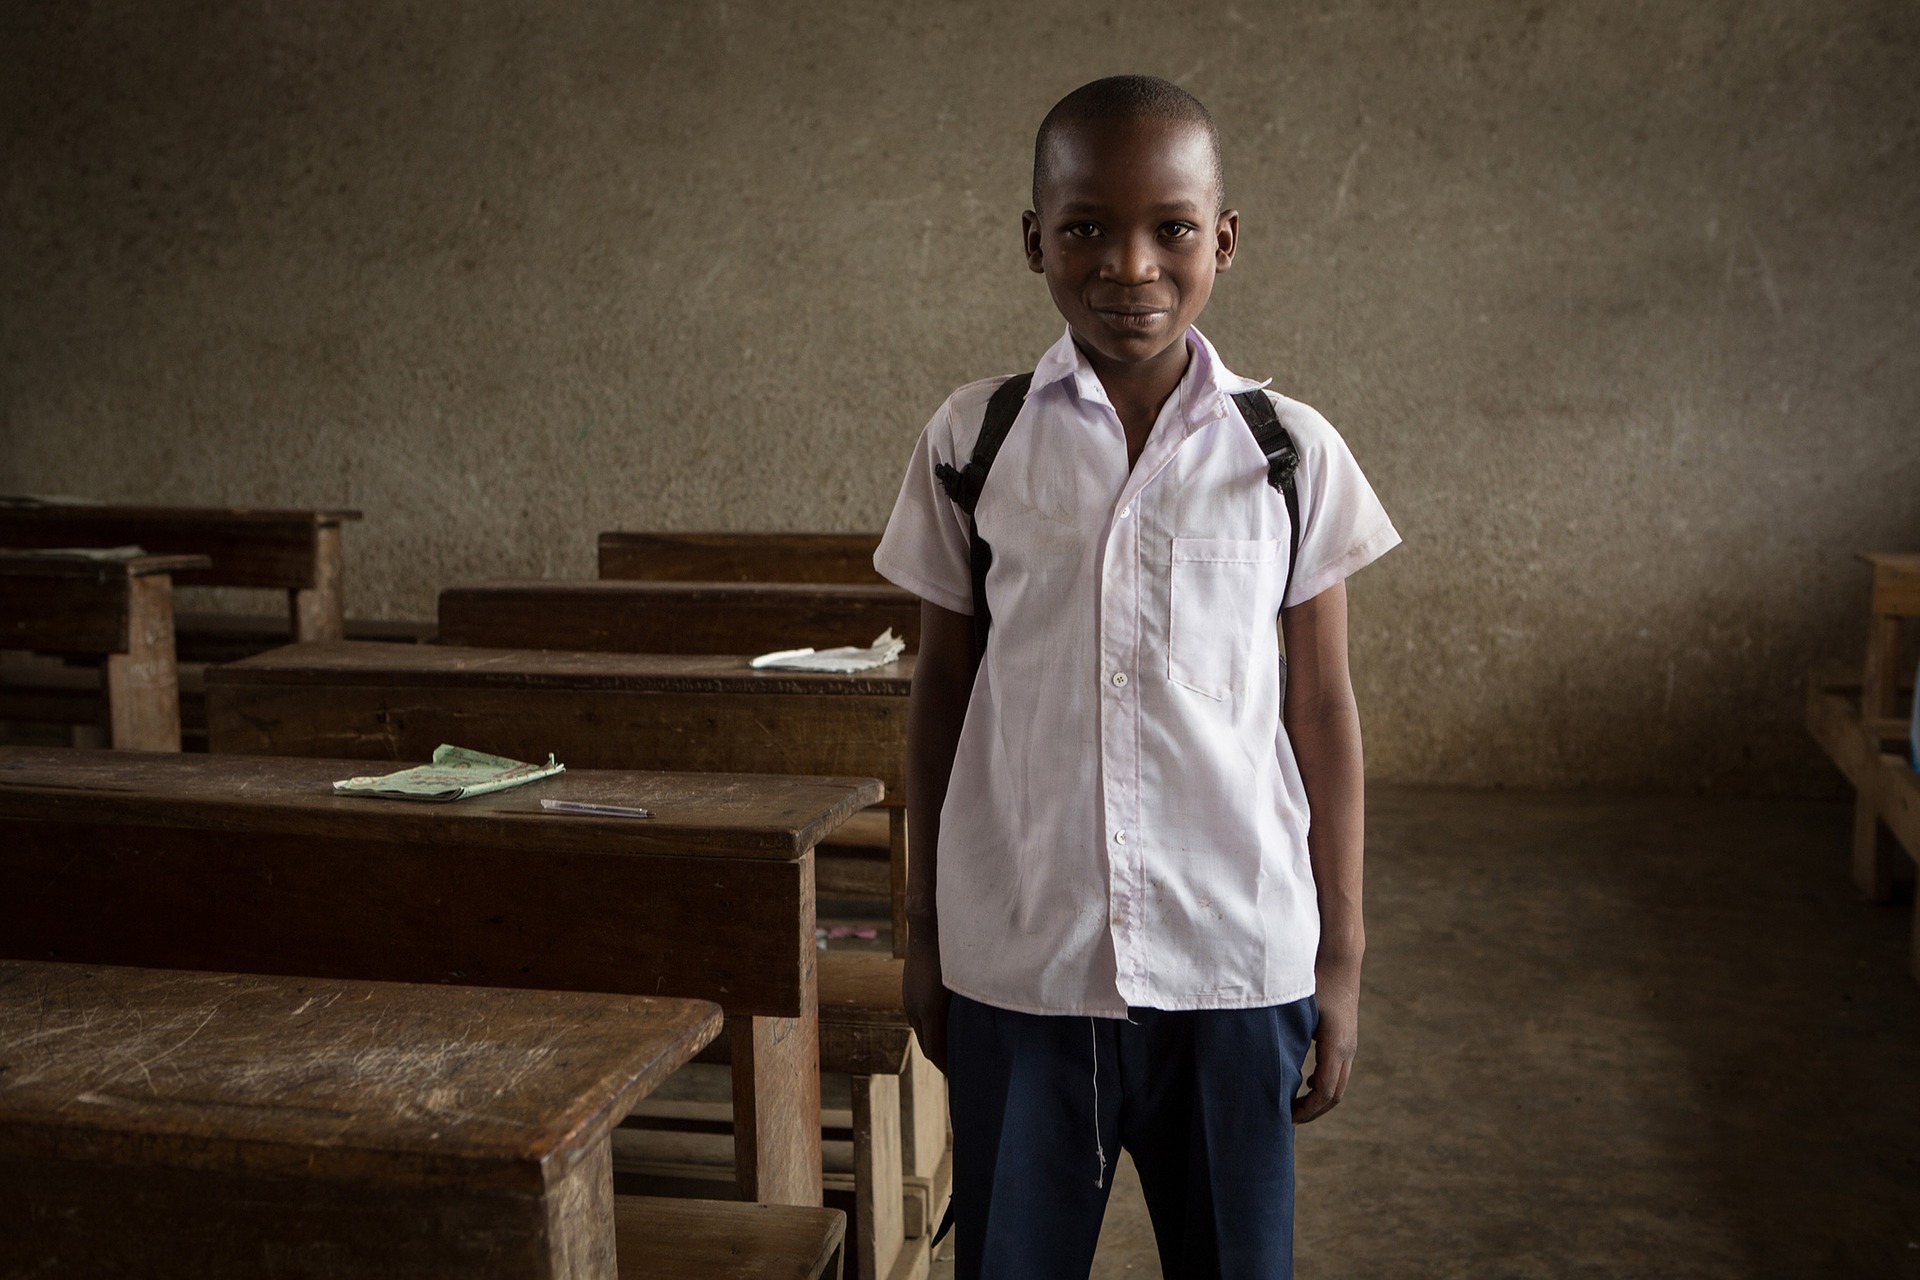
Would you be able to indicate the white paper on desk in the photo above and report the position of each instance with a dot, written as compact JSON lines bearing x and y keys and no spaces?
{"x":885,"y":648}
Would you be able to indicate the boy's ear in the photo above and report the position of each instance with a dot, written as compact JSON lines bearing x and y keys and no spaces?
{"x":1226,"y":238}
{"x":1030,"y":234}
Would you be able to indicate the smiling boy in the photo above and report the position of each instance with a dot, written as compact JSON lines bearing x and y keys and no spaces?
{"x":1135,"y":895}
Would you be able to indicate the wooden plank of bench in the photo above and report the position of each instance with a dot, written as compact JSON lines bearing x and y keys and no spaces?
{"x":252,"y":864}
{"x":716,"y":1240}
{"x":214,"y":1124}
{"x":740,"y":557}
{"x":674,"y":617}
{"x":1834,"y":721}
{"x":120,"y":611}
{"x":296,"y":551}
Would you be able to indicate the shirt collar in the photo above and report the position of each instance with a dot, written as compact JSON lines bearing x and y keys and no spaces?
{"x":1203,"y":390}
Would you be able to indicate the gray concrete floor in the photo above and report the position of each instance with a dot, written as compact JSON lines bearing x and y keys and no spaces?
{"x":1619,"y":1037}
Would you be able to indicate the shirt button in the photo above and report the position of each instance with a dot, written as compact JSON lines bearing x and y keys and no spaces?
{"x":1119,"y":679}
{"x":1119,"y":837}
{"x":1125,"y":512}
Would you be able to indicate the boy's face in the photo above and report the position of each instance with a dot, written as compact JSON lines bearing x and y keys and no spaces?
{"x":1130,"y":235}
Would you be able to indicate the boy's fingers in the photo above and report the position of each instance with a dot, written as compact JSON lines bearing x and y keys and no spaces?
{"x":1325,"y":1087}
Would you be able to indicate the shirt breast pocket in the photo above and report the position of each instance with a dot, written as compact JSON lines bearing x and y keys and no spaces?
{"x":1216,"y":603}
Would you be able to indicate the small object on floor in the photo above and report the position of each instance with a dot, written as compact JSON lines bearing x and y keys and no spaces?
{"x":456,"y":772}
{"x":595,"y":810}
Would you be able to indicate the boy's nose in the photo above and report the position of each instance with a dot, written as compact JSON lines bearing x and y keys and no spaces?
{"x":1132,"y":262}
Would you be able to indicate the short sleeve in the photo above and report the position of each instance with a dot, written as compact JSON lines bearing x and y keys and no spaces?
{"x":1343,"y":527}
{"x":924,"y":548}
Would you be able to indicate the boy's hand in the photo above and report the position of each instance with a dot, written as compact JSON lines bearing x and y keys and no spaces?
{"x":926,"y":999}
{"x":1335,"y":1041}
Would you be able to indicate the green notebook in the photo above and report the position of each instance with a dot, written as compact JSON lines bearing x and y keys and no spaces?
{"x":455,"y":774}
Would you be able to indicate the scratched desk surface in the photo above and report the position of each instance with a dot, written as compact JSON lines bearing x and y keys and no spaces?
{"x":339,"y":1080}
{"x":738,"y":815}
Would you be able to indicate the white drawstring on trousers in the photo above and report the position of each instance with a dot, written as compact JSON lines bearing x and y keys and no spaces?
{"x":1099,"y":1179}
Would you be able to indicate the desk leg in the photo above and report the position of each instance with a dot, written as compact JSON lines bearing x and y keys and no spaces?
{"x":776,"y":1108}
{"x":579,"y":1219}
{"x":877,"y":1186}
{"x":319,"y":611}
{"x":923,"y":1114}
{"x":143,"y":684}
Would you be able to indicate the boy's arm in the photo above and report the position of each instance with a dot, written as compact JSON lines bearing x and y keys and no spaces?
{"x":942,"y":684}
{"x":1323,"y":723}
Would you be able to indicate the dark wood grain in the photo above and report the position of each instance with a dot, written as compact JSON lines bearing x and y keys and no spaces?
{"x":640,"y":711}
{"x":675,"y":617}
{"x":252,"y":865}
{"x":451,"y":666}
{"x":695,"y":814}
{"x":220,"y":1125}
{"x":228,"y":637}
{"x":119,"y":612}
{"x":661,"y":1238}
{"x":67,"y":605}
{"x":740,"y":557}
{"x":863,"y":1030}
{"x":247,"y":548}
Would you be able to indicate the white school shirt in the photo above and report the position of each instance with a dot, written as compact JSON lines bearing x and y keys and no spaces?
{"x":1125,"y":822}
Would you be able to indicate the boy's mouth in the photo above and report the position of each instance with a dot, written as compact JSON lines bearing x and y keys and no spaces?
{"x":1133,"y":318}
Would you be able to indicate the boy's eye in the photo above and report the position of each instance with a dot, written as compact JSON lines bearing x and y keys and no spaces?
{"x":1179,"y":230}
{"x":1084,"y":230}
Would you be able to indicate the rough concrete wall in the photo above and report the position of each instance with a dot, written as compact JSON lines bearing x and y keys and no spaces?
{"x":1615,"y":302}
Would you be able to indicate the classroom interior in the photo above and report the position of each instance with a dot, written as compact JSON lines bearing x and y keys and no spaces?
{"x":507,"y":375}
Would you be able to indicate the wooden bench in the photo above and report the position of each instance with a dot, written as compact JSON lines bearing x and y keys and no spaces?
{"x":254,"y":865}
{"x":674,"y":617}
{"x":298,"y":552}
{"x":203,"y":1124}
{"x":117,"y":611}
{"x":602,"y":711}
{"x":1863,"y":724}
{"x":740,"y":557}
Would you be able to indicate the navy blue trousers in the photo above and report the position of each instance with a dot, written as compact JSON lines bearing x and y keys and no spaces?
{"x":1202,"y":1101}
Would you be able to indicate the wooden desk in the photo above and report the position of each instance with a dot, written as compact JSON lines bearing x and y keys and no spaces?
{"x":252,"y":865}
{"x":599,"y":711}
{"x":119,"y":611}
{"x":595,"y":710}
{"x":298,"y":552}
{"x":740,"y":557}
{"x":675,"y":617}
{"x":221,"y":1125}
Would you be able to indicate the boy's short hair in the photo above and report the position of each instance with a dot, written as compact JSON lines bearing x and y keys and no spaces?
{"x":1127,"y":98}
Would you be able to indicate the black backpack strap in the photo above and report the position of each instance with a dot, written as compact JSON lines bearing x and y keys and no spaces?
{"x":964,"y":486}
{"x":1282,"y":461}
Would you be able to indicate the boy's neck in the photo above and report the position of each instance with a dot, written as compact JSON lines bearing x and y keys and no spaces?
{"x":1138,"y":389}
